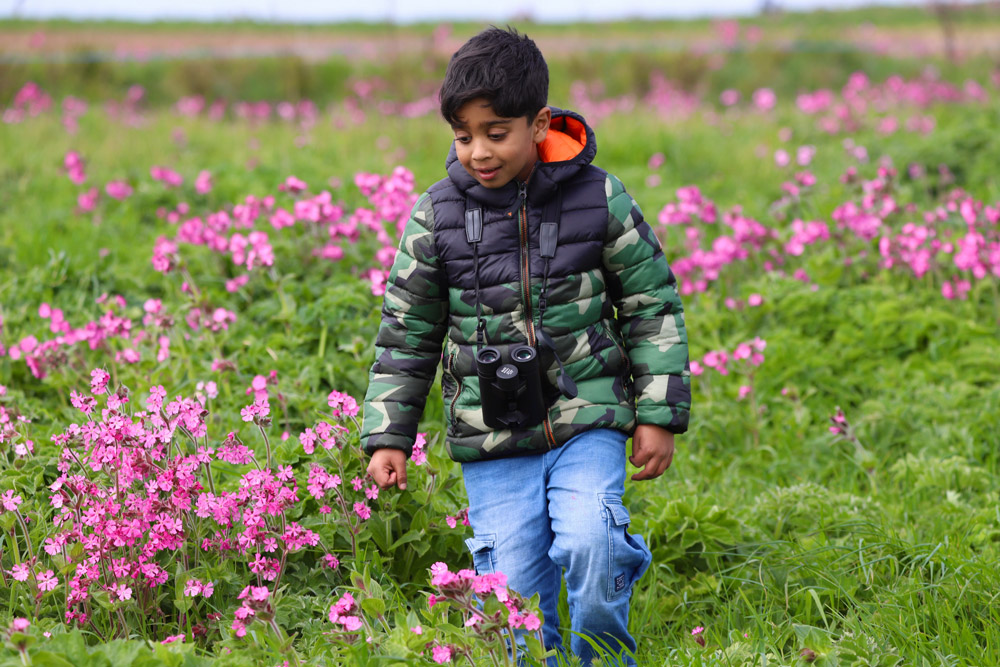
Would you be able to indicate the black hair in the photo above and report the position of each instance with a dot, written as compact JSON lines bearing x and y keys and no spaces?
{"x":502,"y":66}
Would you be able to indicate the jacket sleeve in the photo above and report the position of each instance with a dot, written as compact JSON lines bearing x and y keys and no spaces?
{"x":408,"y":346}
{"x":650,"y":314}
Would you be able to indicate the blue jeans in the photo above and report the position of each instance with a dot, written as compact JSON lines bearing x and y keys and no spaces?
{"x":535,"y":516}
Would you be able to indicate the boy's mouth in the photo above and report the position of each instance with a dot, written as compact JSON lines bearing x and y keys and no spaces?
{"x":488,"y":174}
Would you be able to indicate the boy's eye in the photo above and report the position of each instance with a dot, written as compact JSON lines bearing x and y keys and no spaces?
{"x":497,"y":137}
{"x":462,"y":140}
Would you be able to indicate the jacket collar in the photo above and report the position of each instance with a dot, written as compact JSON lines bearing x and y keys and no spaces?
{"x":545,"y":177}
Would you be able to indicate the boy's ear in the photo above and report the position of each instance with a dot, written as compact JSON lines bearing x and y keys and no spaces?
{"x":540,"y":126}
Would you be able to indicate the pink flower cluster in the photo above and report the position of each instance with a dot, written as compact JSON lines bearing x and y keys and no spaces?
{"x":696,"y":271}
{"x":42,"y":357}
{"x":905,"y":237}
{"x":29,"y":101}
{"x":127,"y":494}
{"x":195,"y":587}
{"x":419,"y":455}
{"x":340,"y":613}
{"x":9,"y":434}
{"x":327,"y":435}
{"x":860,"y":99}
{"x":751,"y":352}
{"x":461,"y":590}
{"x":256,"y":599}
{"x":462,"y":517}
{"x":342,"y":405}
{"x":74,"y":167}
{"x":691,"y":207}
{"x":922,"y":247}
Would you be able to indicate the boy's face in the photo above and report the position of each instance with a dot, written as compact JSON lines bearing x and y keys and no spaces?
{"x":497,"y":150}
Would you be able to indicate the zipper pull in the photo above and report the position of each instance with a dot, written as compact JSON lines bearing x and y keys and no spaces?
{"x":522,"y":195}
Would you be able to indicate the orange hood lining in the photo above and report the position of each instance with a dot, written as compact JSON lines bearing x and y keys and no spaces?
{"x":564,"y":141}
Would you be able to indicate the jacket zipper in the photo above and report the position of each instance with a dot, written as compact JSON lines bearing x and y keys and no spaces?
{"x":621,"y":351}
{"x":627,"y":379}
{"x":458,"y":388}
{"x":529,"y":318}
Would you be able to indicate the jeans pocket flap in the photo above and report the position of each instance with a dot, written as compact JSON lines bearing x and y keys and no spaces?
{"x":477,"y":545}
{"x":616,"y":511}
{"x":483,"y":558}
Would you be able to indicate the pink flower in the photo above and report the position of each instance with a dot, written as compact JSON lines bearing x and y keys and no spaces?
{"x":351,"y":623}
{"x":99,"y":381}
{"x":203,"y":183}
{"x":417,"y":630}
{"x":532,"y":622}
{"x":10,"y":500}
{"x":745,"y":390}
{"x":764,"y":99}
{"x":292,"y":185}
{"x":342,"y":404}
{"x":87,"y":201}
{"x":84,"y":404}
{"x":362,"y":510}
{"x":20,"y":624}
{"x":173,"y":638}
{"x":118,"y":190}
{"x":341,"y":607}
{"x":20,"y":572}
{"x":168,"y":177}
{"x":755,"y":300}
{"x":122,"y":591}
{"x":442,"y":654}
{"x":47,"y":580}
{"x":192,"y":588}
{"x":729,"y":97}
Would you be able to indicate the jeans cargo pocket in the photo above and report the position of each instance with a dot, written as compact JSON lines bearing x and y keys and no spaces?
{"x":483,"y":558}
{"x":628,"y":556}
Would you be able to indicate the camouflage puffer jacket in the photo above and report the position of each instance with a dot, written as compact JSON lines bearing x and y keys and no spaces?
{"x":612,"y":307}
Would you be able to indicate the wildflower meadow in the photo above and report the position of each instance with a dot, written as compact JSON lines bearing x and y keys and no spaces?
{"x":191,"y":272}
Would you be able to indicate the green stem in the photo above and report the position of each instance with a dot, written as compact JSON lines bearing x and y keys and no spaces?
{"x":267,"y":445}
{"x":208,"y":473}
{"x":27,"y":537}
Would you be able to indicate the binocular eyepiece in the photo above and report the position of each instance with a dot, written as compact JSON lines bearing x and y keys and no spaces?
{"x":510,"y":389}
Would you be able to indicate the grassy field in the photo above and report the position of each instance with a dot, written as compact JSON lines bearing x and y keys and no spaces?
{"x":834,"y":505}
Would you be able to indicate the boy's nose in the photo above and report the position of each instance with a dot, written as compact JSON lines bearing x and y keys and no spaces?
{"x":480,"y":151}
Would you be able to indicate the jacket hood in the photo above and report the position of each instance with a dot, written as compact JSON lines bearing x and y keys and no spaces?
{"x":569,"y":146}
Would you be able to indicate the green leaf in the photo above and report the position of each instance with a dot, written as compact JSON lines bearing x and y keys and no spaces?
{"x":103,"y":599}
{"x":373,"y":606}
{"x":49,"y":659}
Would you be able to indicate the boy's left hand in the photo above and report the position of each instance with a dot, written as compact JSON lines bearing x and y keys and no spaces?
{"x":652,"y":450}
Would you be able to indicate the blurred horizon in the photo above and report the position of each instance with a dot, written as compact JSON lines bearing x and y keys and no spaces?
{"x":415,"y":11}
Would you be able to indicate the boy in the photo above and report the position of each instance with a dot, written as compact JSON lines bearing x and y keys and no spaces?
{"x":527,"y":257}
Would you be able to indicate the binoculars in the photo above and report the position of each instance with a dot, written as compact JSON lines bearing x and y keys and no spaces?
{"x":510,"y":388}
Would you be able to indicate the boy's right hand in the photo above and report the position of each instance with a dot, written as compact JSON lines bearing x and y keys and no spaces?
{"x":388,"y":468}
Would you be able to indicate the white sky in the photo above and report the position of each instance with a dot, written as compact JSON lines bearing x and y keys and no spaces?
{"x":405,"y":11}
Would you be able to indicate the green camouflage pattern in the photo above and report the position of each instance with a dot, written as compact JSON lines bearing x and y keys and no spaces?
{"x":630,"y":368}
